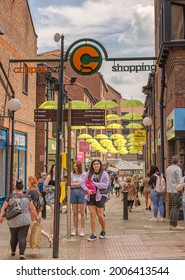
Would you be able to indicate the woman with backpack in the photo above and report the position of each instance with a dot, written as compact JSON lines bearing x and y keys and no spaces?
{"x":19,"y":225}
{"x":156,"y":195}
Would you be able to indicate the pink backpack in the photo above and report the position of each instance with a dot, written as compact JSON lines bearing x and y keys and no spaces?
{"x":160,"y":186}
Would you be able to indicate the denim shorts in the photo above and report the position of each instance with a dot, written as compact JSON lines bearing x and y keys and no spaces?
{"x":77,"y":196}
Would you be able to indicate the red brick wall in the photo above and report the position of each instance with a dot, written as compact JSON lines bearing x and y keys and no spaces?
{"x":19,"y":41}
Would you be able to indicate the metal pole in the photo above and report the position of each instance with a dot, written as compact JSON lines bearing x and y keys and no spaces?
{"x":12,"y":154}
{"x":125,"y":205}
{"x":58,"y":159}
{"x":69,"y":173}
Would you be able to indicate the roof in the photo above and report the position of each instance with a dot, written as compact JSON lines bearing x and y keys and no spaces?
{"x":124,"y":165}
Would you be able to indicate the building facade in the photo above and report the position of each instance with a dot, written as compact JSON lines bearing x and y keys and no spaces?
{"x":18,"y":41}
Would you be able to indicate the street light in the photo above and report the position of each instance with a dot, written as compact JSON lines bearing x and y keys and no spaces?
{"x":147,"y":121}
{"x":58,"y":38}
{"x":13,"y":106}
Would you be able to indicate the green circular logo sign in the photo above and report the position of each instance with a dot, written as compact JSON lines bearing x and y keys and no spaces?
{"x":86,"y":60}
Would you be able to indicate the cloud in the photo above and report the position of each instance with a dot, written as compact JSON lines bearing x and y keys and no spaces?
{"x":124,"y":29}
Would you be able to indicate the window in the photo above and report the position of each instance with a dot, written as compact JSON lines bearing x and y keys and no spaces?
{"x":25,"y":79}
{"x":177,"y":24}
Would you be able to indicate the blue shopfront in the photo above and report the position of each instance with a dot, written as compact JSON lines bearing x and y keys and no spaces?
{"x":20,"y":149}
{"x":3,"y":160}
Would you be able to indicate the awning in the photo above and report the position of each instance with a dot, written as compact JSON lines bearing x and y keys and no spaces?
{"x":113,"y":169}
{"x":124,"y":165}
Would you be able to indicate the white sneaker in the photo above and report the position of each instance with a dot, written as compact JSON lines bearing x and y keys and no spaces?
{"x":179,"y":227}
{"x":82,"y":234}
{"x":73,"y":233}
{"x":154,"y":219}
{"x":162,"y":219}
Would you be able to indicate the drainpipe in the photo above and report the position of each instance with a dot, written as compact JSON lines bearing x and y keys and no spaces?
{"x":162,"y":117}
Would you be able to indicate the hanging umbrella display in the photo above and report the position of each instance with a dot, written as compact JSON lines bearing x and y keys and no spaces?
{"x":112,"y":117}
{"x":101,"y":136}
{"x":114,"y":126}
{"x":84,"y":136}
{"x":117,"y":136}
{"x":105,"y":104}
{"x":48,"y":105}
{"x":134,"y":126}
{"x":78,"y":104}
{"x":132,"y":103}
{"x":132,"y":117}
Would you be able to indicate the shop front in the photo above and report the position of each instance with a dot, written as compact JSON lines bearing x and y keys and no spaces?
{"x":3,"y":160}
{"x":20,"y":154}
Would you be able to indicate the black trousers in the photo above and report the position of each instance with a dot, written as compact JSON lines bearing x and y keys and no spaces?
{"x":19,"y":235}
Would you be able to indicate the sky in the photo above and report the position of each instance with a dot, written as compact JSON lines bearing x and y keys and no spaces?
{"x":124,"y":27}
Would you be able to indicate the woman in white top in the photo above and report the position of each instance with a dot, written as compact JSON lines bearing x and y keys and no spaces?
{"x":77,"y":197}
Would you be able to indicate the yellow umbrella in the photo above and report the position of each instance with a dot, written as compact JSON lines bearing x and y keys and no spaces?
{"x":97,"y":127}
{"x":114,"y":126}
{"x":132,"y":103}
{"x":112,"y":117}
{"x":78,"y":104}
{"x":78,"y":127}
{"x":84,"y":136}
{"x":120,"y":142}
{"x":48,"y":105}
{"x":130,"y":136}
{"x":123,"y":151}
{"x":105,"y":104}
{"x":91,"y":140}
{"x":134,"y":125}
{"x":117,"y":136}
{"x":132,"y":117}
{"x":101,"y":136}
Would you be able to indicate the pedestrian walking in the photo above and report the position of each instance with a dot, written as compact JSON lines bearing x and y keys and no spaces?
{"x":49,"y":189}
{"x":77,"y":198}
{"x":34,"y":193}
{"x":173,"y":178}
{"x":157,"y":197}
{"x":19,"y":225}
{"x":116,"y":186}
{"x":146,"y":191}
{"x":181,"y":188}
{"x":95,"y":184}
{"x":130,"y":188}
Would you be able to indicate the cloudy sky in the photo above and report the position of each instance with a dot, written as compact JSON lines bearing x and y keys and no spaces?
{"x":125,"y":29}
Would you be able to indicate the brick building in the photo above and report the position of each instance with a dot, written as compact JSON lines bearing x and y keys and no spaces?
{"x":18,"y":40}
{"x":166,"y":89}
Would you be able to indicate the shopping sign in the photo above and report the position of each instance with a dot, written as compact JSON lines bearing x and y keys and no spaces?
{"x":84,"y":147}
{"x":140,"y":135}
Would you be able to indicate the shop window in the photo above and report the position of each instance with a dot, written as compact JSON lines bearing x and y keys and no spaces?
{"x":178,"y":21}
{"x":25,"y":79}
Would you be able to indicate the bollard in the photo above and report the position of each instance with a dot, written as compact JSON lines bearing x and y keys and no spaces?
{"x":125,"y":205}
{"x":44,"y":210}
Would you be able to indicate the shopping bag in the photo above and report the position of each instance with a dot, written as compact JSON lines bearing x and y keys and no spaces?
{"x":35,"y":236}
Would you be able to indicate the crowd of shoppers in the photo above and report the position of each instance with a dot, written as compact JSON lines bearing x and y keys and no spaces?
{"x":92,"y":189}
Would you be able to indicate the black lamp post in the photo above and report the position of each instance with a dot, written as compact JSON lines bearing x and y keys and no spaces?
{"x":60,"y":102}
{"x":13,"y":106}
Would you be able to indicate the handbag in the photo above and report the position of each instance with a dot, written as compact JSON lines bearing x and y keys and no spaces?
{"x":35,"y":236}
{"x":13,"y":209}
{"x":90,"y":185}
{"x":180,"y":200}
{"x":104,"y":191}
